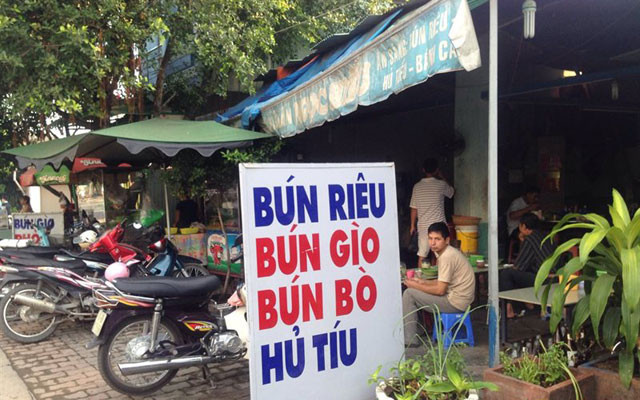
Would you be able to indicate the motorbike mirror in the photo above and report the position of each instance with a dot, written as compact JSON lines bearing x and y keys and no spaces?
{"x":238,"y":241}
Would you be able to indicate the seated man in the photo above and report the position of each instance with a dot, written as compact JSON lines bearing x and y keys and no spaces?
{"x":530,"y":257}
{"x":452,"y":292}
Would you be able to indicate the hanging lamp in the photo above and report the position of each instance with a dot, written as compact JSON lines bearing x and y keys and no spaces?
{"x":529,"y":12}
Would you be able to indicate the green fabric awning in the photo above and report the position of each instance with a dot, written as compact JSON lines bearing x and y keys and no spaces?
{"x":141,"y":142}
{"x":161,"y":130}
{"x":48,"y":149}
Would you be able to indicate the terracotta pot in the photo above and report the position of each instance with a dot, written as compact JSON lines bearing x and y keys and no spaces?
{"x":512,"y":388}
{"x":609,"y":387}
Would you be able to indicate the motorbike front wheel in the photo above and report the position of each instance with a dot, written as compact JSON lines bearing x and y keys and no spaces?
{"x":192,"y":270}
{"x":124,"y":344}
{"x":23,"y":323}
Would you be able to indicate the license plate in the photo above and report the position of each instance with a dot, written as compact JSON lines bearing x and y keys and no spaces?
{"x":97,"y":324}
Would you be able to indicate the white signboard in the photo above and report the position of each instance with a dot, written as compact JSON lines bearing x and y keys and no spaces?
{"x":322,"y":270}
{"x":24,"y":225}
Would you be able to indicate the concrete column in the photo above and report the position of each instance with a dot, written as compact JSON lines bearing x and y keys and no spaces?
{"x":471,"y":121}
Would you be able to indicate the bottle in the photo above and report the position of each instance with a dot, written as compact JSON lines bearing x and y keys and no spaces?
{"x":529,"y":347}
{"x":514,"y":351}
{"x":571,"y":353}
{"x":536,"y":345}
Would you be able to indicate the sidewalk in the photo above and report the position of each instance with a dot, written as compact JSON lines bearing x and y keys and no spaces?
{"x":13,"y":388}
{"x":62,"y":368}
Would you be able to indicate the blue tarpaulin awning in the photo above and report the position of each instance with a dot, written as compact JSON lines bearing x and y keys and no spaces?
{"x":382,"y":56}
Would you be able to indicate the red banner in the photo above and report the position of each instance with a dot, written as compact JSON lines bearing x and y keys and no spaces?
{"x":84,"y":163}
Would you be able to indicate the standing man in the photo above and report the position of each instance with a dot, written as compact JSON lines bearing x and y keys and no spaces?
{"x":524,"y":204}
{"x":452,"y":292}
{"x":4,"y":204}
{"x":25,"y":204}
{"x":427,"y":204}
{"x":186,"y":211}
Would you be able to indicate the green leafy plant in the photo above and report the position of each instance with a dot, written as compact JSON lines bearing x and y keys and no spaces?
{"x":437,"y":375}
{"x":610,"y":264}
{"x":545,"y":369}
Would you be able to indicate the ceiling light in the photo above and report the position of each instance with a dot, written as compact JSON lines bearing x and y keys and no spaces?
{"x":529,"y":12}
{"x":615,"y":90}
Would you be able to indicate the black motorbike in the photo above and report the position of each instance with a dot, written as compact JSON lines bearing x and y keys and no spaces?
{"x":39,"y":293}
{"x":149,"y":328}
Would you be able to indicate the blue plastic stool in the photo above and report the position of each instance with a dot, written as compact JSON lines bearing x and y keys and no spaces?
{"x":449,"y":327}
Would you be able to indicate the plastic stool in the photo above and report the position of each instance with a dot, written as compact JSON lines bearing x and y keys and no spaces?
{"x":449,"y":327}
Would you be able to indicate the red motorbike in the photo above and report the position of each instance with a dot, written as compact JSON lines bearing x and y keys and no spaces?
{"x":110,"y":247}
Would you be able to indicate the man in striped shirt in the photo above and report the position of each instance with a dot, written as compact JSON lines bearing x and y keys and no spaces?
{"x":532,"y":254}
{"x":427,"y":204}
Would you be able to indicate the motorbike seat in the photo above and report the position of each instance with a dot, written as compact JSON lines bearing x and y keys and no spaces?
{"x":161,"y":286}
{"x":45,"y":262}
{"x":97,"y":257}
{"x":32,"y":251}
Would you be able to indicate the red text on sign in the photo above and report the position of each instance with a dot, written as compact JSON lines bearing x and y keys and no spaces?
{"x":343,"y":247}
{"x":366,"y":295}
{"x":287,"y":303}
{"x":288,"y":254}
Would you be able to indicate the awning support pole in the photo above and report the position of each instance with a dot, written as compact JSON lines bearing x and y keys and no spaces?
{"x":15,"y":179}
{"x":494,"y":332}
{"x":166,"y":210}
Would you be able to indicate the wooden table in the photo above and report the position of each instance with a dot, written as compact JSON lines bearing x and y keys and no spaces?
{"x":527,"y":295}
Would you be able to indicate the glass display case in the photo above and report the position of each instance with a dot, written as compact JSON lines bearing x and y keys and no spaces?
{"x":90,"y":194}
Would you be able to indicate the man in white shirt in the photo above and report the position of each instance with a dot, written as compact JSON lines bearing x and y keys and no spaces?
{"x":524,"y":204}
{"x":427,"y":204}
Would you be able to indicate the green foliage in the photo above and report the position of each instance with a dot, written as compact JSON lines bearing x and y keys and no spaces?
{"x":546,"y":369}
{"x":437,"y":375}
{"x":610,"y":264}
{"x":69,"y":57}
{"x":78,"y":59}
{"x":195,"y":174}
{"x":308,"y":22}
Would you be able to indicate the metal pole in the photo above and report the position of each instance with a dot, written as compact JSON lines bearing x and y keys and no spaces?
{"x":166,"y":210}
{"x":494,"y":332}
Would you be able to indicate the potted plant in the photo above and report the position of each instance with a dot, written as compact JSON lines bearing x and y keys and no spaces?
{"x":438,"y":374}
{"x":544,"y":376}
{"x":609,"y":263}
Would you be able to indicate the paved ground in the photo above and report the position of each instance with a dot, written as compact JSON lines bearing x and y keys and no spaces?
{"x":61,"y":367}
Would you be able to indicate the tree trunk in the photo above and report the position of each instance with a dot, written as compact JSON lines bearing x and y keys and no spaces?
{"x":130,"y":92}
{"x":44,"y":130}
{"x":157,"y":101}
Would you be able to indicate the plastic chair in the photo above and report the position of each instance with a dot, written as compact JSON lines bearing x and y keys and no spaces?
{"x":449,"y":327}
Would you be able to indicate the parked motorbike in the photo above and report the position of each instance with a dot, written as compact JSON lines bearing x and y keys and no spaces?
{"x":149,"y":328}
{"x":45,"y":296}
{"x":47,"y":290}
{"x":110,"y":244}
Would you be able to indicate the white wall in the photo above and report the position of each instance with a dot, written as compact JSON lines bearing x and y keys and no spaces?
{"x":471,"y":121}
{"x":43,"y":201}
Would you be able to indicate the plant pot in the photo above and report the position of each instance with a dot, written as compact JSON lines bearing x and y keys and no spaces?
{"x":381,"y":395}
{"x":608,"y":385}
{"x":512,"y":388}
